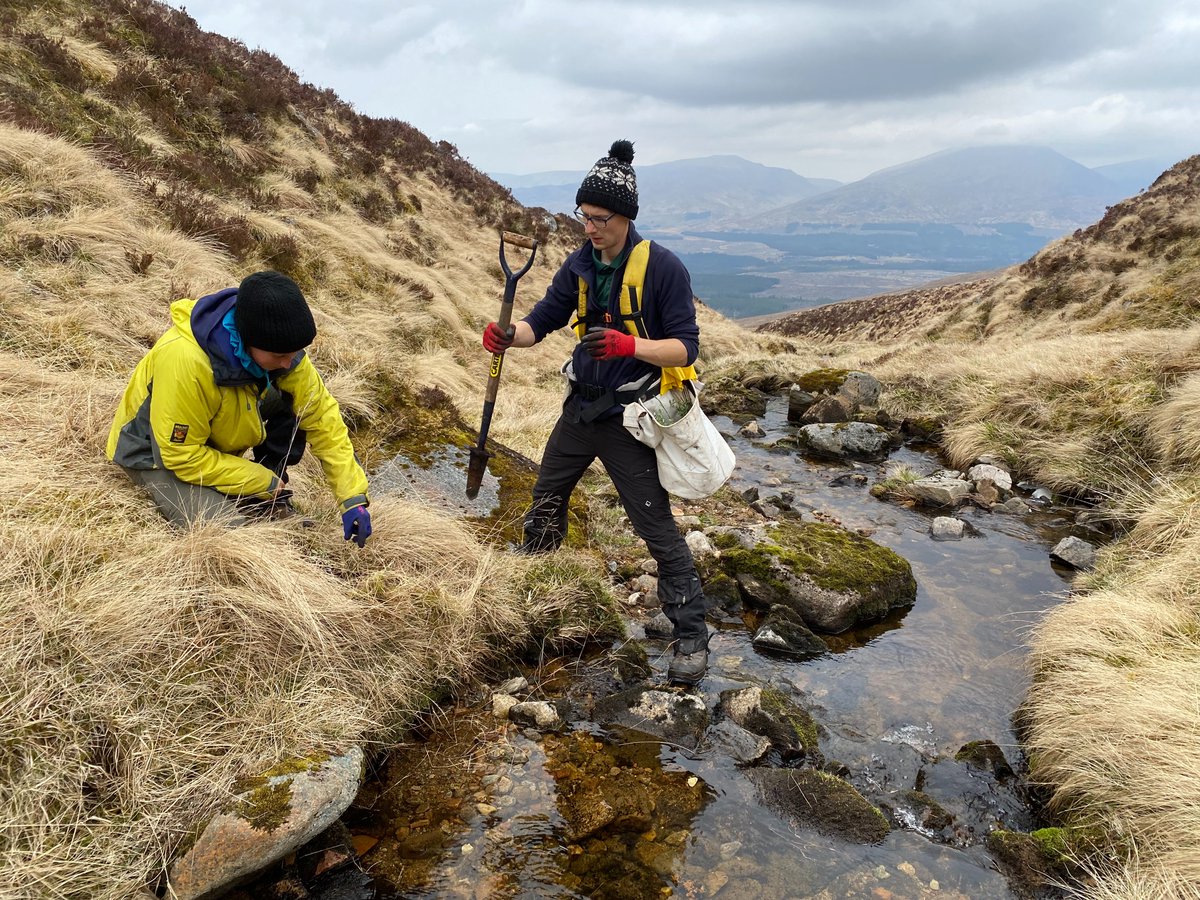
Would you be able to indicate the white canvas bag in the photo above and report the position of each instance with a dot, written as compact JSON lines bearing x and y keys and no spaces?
{"x":693,"y":459}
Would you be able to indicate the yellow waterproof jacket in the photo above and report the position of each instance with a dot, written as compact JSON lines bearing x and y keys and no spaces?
{"x":192,"y":409}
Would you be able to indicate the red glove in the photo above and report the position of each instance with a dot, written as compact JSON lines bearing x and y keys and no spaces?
{"x":606,"y":343}
{"x":497,"y":341}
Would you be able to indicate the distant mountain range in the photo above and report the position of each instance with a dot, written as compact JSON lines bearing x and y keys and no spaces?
{"x":974,"y":186}
{"x":687,"y":192}
{"x":1035,"y":186}
{"x":759,"y":239}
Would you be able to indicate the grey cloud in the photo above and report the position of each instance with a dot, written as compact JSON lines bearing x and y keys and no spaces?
{"x":778,"y":53}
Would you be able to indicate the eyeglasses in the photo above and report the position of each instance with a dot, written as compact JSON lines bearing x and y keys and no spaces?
{"x":598,"y":221}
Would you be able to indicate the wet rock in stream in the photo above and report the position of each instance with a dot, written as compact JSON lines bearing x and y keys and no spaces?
{"x":807,"y":797}
{"x":783,"y":632}
{"x":833,"y":578}
{"x":791,"y":730}
{"x":673,"y":716}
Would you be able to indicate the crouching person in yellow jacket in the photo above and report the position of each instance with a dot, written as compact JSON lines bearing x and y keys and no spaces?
{"x":231,"y":375}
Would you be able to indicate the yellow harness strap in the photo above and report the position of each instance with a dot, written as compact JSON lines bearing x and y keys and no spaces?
{"x":631,"y":311}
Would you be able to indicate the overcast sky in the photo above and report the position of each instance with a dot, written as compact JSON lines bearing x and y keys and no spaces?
{"x":827,"y":88}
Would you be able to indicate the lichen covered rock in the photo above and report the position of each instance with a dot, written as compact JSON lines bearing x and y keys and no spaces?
{"x":275,"y":813}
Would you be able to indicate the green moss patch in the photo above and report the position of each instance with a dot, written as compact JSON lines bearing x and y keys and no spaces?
{"x":823,"y":381}
{"x":267,"y":807}
{"x":831,"y":557}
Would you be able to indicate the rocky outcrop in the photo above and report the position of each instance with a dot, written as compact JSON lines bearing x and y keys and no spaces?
{"x":832,"y":395}
{"x":845,"y":440}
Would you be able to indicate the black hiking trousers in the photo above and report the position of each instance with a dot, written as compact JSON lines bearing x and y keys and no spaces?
{"x":633,"y":468}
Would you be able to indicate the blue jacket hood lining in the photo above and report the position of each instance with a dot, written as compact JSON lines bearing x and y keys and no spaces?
{"x":211,"y":333}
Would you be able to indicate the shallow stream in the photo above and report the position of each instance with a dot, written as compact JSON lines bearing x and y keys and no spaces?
{"x":483,"y":808}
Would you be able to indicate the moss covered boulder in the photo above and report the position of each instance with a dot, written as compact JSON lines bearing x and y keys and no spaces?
{"x":729,"y":396}
{"x":818,"y":800}
{"x":791,"y":729}
{"x":833,"y":578}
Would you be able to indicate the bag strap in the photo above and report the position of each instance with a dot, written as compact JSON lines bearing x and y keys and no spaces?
{"x":632,"y":293}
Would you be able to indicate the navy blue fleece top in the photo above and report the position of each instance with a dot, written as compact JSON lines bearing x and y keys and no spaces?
{"x":668,"y":310}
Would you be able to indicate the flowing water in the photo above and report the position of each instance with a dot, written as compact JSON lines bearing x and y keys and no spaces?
{"x":482,"y":808}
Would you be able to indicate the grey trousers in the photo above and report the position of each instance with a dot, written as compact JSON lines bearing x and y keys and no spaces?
{"x":185,"y":504}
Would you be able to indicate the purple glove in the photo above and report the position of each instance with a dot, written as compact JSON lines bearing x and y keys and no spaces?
{"x":356,"y":525}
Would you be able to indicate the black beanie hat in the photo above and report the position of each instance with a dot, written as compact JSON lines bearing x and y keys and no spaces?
{"x":612,"y":183}
{"x":271,"y":314}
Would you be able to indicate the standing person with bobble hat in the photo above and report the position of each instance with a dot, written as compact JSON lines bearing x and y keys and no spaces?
{"x":633,"y":337}
{"x":231,"y":375}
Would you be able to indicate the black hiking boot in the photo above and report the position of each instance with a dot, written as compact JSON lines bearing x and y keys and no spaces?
{"x":688,"y":666}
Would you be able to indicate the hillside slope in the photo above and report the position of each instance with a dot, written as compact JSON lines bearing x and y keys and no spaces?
{"x":1135,"y":268}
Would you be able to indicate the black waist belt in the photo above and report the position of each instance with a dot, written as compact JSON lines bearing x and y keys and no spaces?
{"x":599,"y":400}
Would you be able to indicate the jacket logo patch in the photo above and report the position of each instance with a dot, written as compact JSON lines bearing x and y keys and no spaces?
{"x":178,"y":433}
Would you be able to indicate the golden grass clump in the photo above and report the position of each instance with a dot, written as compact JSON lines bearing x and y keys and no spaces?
{"x":146,"y":670}
{"x":1115,"y":714}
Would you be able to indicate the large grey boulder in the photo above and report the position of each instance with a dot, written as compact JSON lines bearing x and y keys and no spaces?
{"x":860,"y":389}
{"x":828,"y":409}
{"x":833,"y":578}
{"x":845,"y":440}
{"x":937,"y":490}
{"x":680,"y":718}
{"x":277,"y":813}
{"x":994,"y":474}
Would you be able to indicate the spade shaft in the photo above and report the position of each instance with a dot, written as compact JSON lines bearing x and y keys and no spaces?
{"x":479,"y":453}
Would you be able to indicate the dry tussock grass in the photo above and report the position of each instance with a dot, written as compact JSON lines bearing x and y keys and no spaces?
{"x":1115,"y":723}
{"x":1071,"y":411}
{"x":145,"y":669}
{"x":91,"y":56}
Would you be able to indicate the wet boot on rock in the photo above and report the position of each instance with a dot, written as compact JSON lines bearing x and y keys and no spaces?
{"x":689,"y":663}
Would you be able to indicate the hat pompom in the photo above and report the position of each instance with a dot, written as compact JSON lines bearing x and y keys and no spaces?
{"x":621,"y":151}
